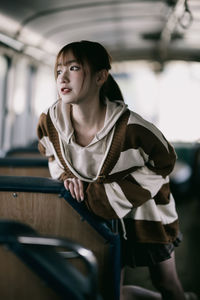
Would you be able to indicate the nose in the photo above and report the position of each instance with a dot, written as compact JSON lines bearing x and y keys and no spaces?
{"x":64,"y":77}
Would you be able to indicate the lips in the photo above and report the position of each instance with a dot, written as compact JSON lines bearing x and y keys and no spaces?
{"x":65,"y":90}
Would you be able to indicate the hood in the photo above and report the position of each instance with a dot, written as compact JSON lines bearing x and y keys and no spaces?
{"x":60,"y":116}
{"x":114,"y":110}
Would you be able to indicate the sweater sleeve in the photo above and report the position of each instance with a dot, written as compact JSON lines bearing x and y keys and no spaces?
{"x":46,"y":149}
{"x":149,"y":159}
{"x":116,"y":199}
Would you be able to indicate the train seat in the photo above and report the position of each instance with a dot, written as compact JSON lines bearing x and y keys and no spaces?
{"x":24,"y":166}
{"x":48,"y":208}
{"x":40,"y":254}
{"x":31,"y":150}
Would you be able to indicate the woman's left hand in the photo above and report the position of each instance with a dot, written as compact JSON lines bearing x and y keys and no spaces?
{"x":75,"y":186}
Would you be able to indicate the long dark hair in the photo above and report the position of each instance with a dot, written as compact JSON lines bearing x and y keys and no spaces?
{"x":98,"y":59}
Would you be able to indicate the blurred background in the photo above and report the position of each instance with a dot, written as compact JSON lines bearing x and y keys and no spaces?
{"x":155,"y":48}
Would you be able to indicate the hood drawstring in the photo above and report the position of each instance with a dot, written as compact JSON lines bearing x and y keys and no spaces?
{"x":123,"y":229}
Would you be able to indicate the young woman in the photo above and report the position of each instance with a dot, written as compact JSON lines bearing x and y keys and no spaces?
{"x":114,"y":160}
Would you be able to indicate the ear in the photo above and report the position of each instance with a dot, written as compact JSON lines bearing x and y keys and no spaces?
{"x":101,"y":77}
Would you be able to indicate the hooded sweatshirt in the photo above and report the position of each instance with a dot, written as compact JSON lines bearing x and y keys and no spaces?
{"x":126,"y":167}
{"x":85,"y":162}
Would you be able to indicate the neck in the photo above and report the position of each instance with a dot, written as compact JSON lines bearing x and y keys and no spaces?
{"x":88,"y":116}
{"x":87,"y":121}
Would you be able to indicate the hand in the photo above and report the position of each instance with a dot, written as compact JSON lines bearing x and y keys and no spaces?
{"x":75,"y":186}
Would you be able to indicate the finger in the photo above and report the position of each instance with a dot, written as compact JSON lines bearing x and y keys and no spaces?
{"x":71,"y":189}
{"x":77,"y":189}
{"x":66,"y":184}
{"x":75,"y":186}
{"x":81,"y":189}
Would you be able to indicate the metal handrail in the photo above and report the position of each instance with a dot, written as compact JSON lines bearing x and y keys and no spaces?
{"x":19,"y":237}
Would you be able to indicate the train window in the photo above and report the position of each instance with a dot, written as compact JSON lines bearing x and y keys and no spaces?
{"x":3,"y":75}
{"x":139,"y":86}
{"x":179,"y":90}
{"x":20,"y":89}
{"x":3,"y":67}
{"x":19,"y":118}
{"x":45,"y":89}
{"x":169,"y":99}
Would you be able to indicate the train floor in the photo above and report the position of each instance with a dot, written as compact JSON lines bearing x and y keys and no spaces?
{"x":187,"y":254}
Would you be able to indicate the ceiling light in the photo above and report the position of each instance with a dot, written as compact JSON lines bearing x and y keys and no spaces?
{"x":8,"y":41}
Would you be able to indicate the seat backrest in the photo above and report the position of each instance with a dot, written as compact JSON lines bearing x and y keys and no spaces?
{"x":24,"y":151}
{"x":24,"y":166}
{"x":41,"y":255}
{"x":43,"y":204}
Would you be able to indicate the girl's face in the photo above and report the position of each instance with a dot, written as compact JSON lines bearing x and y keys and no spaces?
{"x":75,"y":84}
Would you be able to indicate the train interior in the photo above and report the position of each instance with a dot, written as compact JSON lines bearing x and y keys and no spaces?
{"x":155,"y":50}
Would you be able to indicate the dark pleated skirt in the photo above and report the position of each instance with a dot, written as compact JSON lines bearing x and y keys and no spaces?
{"x":134,"y":254}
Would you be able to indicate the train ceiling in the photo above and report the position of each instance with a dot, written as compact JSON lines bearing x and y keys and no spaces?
{"x":130,"y":29}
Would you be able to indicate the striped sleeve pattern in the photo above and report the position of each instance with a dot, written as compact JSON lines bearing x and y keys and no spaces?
{"x":47,"y":148}
{"x":137,"y":187}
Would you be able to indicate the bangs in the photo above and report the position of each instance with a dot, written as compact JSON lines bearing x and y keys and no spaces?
{"x":62,"y":56}
{"x":91,"y":53}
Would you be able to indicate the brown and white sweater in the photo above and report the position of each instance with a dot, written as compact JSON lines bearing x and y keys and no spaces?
{"x":126,"y":168}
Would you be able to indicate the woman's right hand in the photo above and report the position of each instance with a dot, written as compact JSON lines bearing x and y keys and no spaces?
{"x":75,"y":186}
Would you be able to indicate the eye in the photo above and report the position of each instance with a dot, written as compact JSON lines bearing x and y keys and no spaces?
{"x":58,"y":72}
{"x":74,"y":68}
